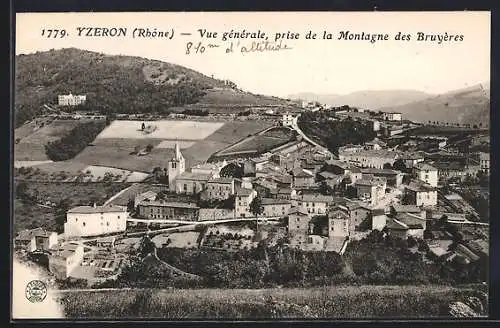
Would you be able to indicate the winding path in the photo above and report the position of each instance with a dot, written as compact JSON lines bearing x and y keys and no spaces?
{"x":295,"y":126}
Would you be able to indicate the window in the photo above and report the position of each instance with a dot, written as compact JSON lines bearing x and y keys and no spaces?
{"x":174,"y":165}
{"x":84,"y":224}
{"x":107,"y":224}
{"x":298,"y":227}
{"x":118,"y":217}
{"x":185,"y":187}
{"x":298,"y":219}
{"x":76,"y":219}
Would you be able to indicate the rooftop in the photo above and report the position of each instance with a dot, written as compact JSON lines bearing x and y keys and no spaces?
{"x":298,"y":211}
{"x":316,"y":198}
{"x":425,"y":166}
{"x":163,"y":203}
{"x":302,"y":173}
{"x":97,"y":209}
{"x":194,"y":176}
{"x":378,"y":171}
{"x":28,"y":234}
{"x":329,"y":175}
{"x":398,"y":208}
{"x":410,"y":220}
{"x":274,"y":201}
{"x":221,"y":180}
{"x":372,"y":181}
{"x":244,"y":192}
{"x":420,"y":187}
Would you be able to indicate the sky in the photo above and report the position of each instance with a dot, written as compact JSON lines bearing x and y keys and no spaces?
{"x":319,"y":66}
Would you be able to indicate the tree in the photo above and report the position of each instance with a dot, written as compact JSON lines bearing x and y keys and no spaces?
{"x":131,"y":205}
{"x":60,"y":211}
{"x":149,"y":147}
{"x":147,"y":246}
{"x":256,"y":206}
{"x":232,"y":170}
{"x":22,"y":190}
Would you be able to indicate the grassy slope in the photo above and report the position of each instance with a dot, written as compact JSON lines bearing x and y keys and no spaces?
{"x":322,"y":302}
{"x":119,"y":84}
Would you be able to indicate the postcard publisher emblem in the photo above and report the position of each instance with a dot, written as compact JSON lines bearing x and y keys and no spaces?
{"x":36,"y":291}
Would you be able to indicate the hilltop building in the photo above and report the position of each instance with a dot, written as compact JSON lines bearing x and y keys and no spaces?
{"x":176,"y":166}
{"x":392,"y":116}
{"x":287,"y":119}
{"x":71,"y":100}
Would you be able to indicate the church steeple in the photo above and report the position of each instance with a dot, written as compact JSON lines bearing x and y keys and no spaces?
{"x":176,"y":166}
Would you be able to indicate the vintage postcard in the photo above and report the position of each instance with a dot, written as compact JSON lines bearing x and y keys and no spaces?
{"x":251,"y":165}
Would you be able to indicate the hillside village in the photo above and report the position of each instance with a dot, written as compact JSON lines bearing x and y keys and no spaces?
{"x":300,"y":195}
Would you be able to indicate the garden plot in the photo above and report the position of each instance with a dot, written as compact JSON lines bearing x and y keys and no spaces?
{"x":102,"y":173}
{"x":166,"y":130}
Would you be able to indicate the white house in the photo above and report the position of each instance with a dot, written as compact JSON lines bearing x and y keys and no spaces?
{"x":421,"y":194}
{"x":484,"y":160}
{"x":276,"y":207}
{"x":392,"y":116}
{"x":71,"y":100}
{"x":287,"y":119}
{"x":242,"y":202}
{"x":95,"y":220}
{"x":427,"y":173}
{"x":63,"y":261}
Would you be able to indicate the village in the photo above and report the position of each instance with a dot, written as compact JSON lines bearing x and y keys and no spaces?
{"x":299,"y":191}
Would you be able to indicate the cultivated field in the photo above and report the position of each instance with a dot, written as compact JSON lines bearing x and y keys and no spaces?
{"x":177,"y":240}
{"x":98,"y":173}
{"x":333,"y":302}
{"x":184,"y":130}
{"x":117,"y":145}
{"x":259,"y":143}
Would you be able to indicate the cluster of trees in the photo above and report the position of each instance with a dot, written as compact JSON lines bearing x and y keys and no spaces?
{"x":334,"y":134}
{"x":74,"y":142}
{"x":232,"y":170}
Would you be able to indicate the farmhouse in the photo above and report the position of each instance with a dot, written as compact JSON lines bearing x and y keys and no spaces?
{"x":148,"y":195}
{"x":379,"y":219}
{"x":165,"y":210}
{"x":410,"y":159}
{"x":95,"y":220}
{"x":35,"y":239}
{"x":338,"y":222}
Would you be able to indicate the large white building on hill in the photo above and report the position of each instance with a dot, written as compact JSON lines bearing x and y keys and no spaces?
{"x":71,"y":100}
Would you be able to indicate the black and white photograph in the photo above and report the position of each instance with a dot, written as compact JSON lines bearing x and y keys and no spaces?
{"x":251,"y":166}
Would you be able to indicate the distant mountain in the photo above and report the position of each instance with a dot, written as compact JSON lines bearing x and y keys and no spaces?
{"x":470,"y":105}
{"x":121,"y":84}
{"x":368,"y":99}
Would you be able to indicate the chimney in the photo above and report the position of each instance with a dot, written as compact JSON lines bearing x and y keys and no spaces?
{"x":95,"y":205}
